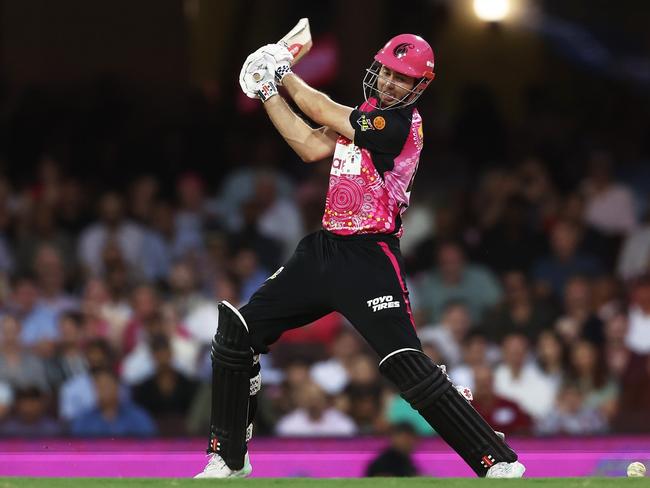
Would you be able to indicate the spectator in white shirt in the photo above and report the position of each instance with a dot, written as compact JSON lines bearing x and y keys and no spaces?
{"x":521,"y":381}
{"x":314,"y":417}
{"x":638,"y":333}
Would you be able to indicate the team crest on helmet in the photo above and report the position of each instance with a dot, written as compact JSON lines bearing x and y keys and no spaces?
{"x":401,"y":49}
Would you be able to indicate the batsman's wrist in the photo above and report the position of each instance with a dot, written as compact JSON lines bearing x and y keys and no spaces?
{"x":281,"y":71}
{"x":267,"y":90}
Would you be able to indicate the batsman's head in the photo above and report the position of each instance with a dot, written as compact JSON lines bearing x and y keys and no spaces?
{"x":400,"y":72}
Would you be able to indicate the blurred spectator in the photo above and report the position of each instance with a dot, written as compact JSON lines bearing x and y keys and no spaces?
{"x":448,"y":335}
{"x":191,"y":215}
{"x":616,"y":352}
{"x":520,"y":312}
{"x":184,"y":294}
{"x":539,"y":191}
{"x":588,"y":371}
{"x":502,"y":414}
{"x":565,"y":260}
{"x":279,"y":219}
{"x":140,"y":364}
{"x":332,"y":375}
{"x":246,"y":267}
{"x":476,"y":352}
{"x":634,"y":404}
{"x":364,"y":403}
{"x":268,"y":251}
{"x":6,"y":400}
{"x":158,"y":242}
{"x":571,"y":416}
{"x":142,"y":198}
{"x":39,"y":328}
{"x":112,"y":226}
{"x":51,"y":279}
{"x":638,"y":334}
{"x":396,"y":459}
{"x":511,"y":243}
{"x":579,"y":319}
{"x":551,"y":357}
{"x":634,"y":260}
{"x":30,"y":417}
{"x":454,"y":279}
{"x":168,"y":394}
{"x":520,"y":380}
{"x":18,"y":367}
{"x":112,"y":417}
{"x":69,"y":359}
{"x":313,"y":416}
{"x":145,"y":304}
{"x":610,"y":205}
{"x":77,"y":393}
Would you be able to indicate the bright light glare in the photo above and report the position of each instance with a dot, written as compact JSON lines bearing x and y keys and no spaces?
{"x":491,"y":10}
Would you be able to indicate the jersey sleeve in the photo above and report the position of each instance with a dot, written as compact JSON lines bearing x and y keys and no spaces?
{"x":381,"y":131}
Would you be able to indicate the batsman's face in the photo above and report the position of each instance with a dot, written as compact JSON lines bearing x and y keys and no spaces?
{"x":393,"y":86}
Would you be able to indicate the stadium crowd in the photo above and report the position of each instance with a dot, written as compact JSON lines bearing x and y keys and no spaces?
{"x":529,"y":280}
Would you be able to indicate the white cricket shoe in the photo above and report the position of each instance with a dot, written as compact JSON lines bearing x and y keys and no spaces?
{"x":506,"y":470}
{"x":217,"y":468}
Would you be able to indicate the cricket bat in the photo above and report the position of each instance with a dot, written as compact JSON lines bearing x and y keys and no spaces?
{"x":297,"y":41}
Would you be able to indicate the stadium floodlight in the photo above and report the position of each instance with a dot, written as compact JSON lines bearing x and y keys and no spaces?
{"x":492,"y":10}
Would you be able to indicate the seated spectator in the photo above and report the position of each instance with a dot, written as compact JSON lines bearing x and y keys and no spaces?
{"x":448,"y":335}
{"x":503,"y":415}
{"x":50,"y":273}
{"x":246,"y":266}
{"x":314,"y":417}
{"x":168,"y":394}
{"x":551,"y":357}
{"x":454,"y":279}
{"x":634,"y":402}
{"x":571,"y":416}
{"x":139,"y":363}
{"x":588,"y":371}
{"x":579,"y":319}
{"x":332,"y":375}
{"x":396,"y":459}
{"x":69,"y":359}
{"x":638,"y":334}
{"x":39,"y":328}
{"x":520,"y":312}
{"x":30,"y":417}
{"x":476,"y":352}
{"x":158,"y":243}
{"x":18,"y":367}
{"x":615,"y":350}
{"x":610,"y":205}
{"x":112,"y":226}
{"x":520,"y":380}
{"x":552,"y":272}
{"x":112,"y":417}
{"x":363,"y":405}
{"x":6,"y":400}
{"x":634,"y":260}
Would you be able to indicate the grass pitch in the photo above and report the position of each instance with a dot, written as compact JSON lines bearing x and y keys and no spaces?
{"x":324,"y":483}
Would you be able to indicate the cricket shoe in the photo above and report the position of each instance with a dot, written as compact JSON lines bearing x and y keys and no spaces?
{"x":506,"y":470}
{"x":217,"y":468}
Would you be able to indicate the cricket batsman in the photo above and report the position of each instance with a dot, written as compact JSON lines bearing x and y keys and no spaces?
{"x":353,"y":265}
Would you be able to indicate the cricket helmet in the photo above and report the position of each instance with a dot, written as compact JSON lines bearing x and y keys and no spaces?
{"x":409,"y":55}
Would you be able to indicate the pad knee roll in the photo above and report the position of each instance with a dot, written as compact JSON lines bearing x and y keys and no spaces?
{"x":430,"y":391}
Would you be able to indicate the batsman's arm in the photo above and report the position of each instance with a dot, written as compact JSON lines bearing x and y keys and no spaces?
{"x":310,"y":144}
{"x":318,"y":106}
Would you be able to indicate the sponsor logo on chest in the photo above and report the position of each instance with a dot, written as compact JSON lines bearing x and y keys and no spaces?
{"x":381,"y":303}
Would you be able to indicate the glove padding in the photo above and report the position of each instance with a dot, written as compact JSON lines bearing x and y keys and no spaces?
{"x":258,"y":65}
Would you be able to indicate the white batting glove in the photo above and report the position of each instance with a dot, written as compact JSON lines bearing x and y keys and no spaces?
{"x":258,"y":70}
{"x":282,"y":59}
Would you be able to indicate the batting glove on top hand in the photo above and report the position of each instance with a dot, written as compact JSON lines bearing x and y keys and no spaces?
{"x":256,"y":76}
{"x":282,"y":58}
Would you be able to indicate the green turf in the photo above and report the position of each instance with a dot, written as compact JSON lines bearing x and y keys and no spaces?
{"x":325,"y":483}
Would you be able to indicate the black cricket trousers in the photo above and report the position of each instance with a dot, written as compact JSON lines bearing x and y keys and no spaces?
{"x":360,"y":277}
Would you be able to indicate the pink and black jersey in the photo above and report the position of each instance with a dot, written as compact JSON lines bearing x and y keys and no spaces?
{"x":371,"y":177}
